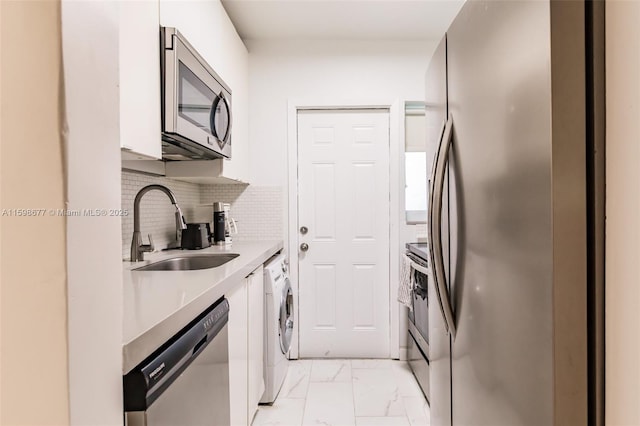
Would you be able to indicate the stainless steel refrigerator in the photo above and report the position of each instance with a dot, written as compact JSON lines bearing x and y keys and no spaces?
{"x":515,"y":120}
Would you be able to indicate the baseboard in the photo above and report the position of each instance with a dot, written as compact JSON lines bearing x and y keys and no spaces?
{"x":403,"y":354}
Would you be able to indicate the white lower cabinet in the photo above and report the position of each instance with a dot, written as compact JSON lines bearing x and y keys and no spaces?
{"x":238,"y":354}
{"x":246,"y":350}
{"x":256,"y":340}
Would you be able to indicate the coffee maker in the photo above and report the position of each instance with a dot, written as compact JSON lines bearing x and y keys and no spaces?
{"x":230,"y":227}
{"x":223,"y":225}
{"x":219,"y":223}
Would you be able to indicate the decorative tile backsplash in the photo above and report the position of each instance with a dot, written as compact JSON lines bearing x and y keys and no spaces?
{"x":421,"y":229}
{"x":256,"y":209}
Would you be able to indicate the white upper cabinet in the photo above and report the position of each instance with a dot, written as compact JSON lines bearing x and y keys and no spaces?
{"x":207,"y":27}
{"x":139,"y":76}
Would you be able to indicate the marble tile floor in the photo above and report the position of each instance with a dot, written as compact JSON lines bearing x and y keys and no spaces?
{"x":361,"y":392}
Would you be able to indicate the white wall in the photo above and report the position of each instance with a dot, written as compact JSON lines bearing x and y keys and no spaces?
{"x":335,"y":72}
{"x":33,"y":367}
{"x":90,"y":54}
{"x":325,"y":72}
{"x":622,"y":315}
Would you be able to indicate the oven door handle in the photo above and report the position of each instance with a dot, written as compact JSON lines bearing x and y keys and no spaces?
{"x":435,"y":227}
{"x":417,"y":289}
{"x":419,"y":268}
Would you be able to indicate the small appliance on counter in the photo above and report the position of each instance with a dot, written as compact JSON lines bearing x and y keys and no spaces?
{"x":224,"y":226}
{"x":196,"y":236}
{"x":219,"y":223}
{"x":230,"y":227}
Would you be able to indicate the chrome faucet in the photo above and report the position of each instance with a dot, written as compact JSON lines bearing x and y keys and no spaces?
{"x":137,"y":248}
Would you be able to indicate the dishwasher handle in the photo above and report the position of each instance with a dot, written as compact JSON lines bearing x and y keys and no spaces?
{"x":147,"y":381}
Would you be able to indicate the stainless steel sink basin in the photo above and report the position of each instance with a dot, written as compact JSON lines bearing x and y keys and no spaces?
{"x":189,"y":263}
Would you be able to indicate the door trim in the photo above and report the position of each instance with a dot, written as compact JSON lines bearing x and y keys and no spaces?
{"x":396,"y":135}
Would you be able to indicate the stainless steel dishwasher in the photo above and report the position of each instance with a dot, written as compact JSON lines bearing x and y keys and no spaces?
{"x":186,"y":381}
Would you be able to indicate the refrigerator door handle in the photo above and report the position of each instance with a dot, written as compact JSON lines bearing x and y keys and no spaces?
{"x":432,"y":192}
{"x":435,"y":227}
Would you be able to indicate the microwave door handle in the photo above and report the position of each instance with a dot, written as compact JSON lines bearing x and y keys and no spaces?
{"x":212,"y":117}
{"x":222,"y":141}
{"x":436,"y":229}
{"x":228,"y":134}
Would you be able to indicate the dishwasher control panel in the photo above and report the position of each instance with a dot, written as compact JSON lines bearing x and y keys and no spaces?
{"x":149,"y":379}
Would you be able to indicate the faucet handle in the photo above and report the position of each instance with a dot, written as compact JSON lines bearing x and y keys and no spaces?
{"x":148,"y":247}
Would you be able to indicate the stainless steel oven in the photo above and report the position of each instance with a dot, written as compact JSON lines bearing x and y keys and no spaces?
{"x":196,"y":103}
{"x":186,"y":381}
{"x":418,"y":339}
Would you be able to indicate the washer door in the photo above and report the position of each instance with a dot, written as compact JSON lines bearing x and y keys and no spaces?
{"x":286,"y":317}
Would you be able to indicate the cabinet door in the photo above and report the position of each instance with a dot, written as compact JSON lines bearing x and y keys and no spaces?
{"x":140,"y":80}
{"x":238,"y":338}
{"x":256,"y":343}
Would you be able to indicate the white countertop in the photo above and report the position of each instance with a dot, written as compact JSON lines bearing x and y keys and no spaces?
{"x":157,"y":304}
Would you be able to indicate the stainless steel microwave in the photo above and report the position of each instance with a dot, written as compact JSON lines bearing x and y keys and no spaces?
{"x":196,"y":103}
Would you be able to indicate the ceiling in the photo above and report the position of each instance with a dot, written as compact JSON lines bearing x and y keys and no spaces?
{"x":342,"y":19}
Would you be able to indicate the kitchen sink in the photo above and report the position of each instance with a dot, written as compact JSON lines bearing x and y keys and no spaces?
{"x":190,"y":263}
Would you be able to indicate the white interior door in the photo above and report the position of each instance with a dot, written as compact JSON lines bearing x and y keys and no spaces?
{"x":343,"y":201}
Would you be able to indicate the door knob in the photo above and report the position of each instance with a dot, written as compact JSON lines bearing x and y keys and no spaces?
{"x":304,"y":246}
{"x":304,"y":230}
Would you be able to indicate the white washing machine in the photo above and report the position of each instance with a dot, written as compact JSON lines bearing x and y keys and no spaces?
{"x":278,"y":326}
